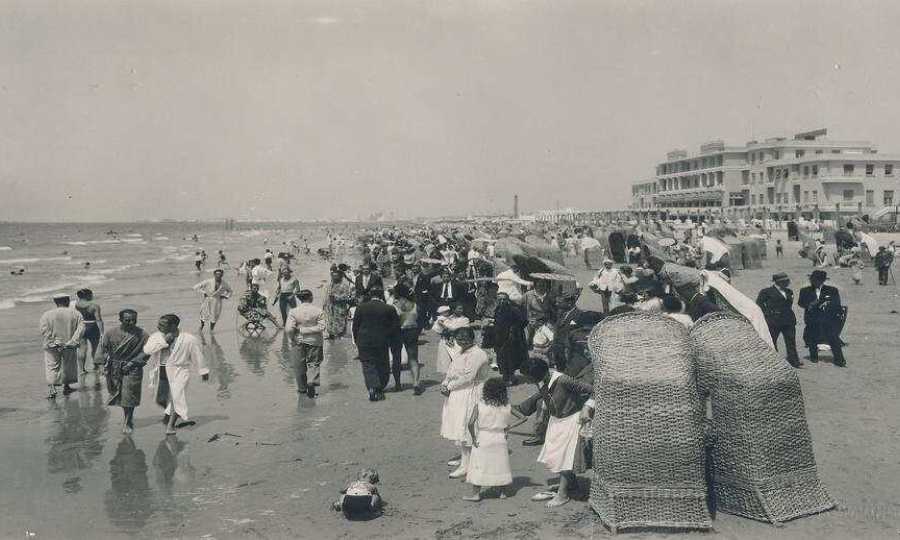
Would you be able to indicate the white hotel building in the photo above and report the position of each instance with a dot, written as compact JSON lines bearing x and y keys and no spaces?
{"x":807,"y":175}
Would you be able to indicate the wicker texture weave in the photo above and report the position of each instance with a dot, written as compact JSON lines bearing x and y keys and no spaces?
{"x":648,"y":426}
{"x":763,"y":463}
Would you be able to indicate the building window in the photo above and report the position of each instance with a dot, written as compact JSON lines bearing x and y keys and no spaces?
{"x":752,"y":158}
{"x":795,"y":168}
{"x":870,"y":169}
{"x":815,"y":170}
{"x":819,"y":151}
{"x":815,"y":196}
{"x":806,"y":170}
{"x":745,"y":177}
{"x":753,"y":199}
{"x":888,"y":197}
{"x":806,"y":196}
{"x":870,"y":197}
{"x":835,"y":151}
{"x":848,"y":195}
{"x":777,"y":174}
{"x":719,"y":161}
{"x":785,"y":174}
{"x":720,"y":177}
{"x":889,"y":169}
{"x":776,"y":154}
{"x":798,"y":153}
{"x":848,"y":169}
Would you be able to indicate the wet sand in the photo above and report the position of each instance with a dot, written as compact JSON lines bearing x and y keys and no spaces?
{"x":279,"y":458}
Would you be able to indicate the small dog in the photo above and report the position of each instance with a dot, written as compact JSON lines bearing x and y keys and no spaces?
{"x":360,"y":498}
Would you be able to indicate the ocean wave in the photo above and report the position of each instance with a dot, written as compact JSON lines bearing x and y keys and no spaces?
{"x":134,"y":235}
{"x":9,"y":303}
{"x":34,"y":260}
{"x":115,"y":269}
{"x":160,"y":237}
{"x":5,"y":248}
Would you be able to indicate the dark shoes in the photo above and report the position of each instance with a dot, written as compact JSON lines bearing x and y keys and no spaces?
{"x":533,"y":441}
{"x":373,"y":395}
{"x":418,"y":390}
{"x":398,"y":387}
{"x":311,"y":391}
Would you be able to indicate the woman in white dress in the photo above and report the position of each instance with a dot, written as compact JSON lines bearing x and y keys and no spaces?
{"x":569,"y":407}
{"x":489,"y":462}
{"x":445,"y":324}
{"x":462,"y":388}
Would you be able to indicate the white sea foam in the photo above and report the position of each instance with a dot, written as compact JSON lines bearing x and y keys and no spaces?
{"x":134,"y":235}
{"x":7,"y":304}
{"x":34,"y":260}
{"x":115,"y":269}
{"x":5,"y":248}
{"x":160,"y":237}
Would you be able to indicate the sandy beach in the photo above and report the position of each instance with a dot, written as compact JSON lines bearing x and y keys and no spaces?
{"x":265,"y":462}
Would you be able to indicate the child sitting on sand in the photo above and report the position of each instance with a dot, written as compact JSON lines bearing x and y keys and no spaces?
{"x":360,"y":497}
{"x":489,"y":462}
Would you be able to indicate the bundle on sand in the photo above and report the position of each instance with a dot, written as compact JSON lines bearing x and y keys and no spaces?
{"x":648,"y":426}
{"x":763,"y":465}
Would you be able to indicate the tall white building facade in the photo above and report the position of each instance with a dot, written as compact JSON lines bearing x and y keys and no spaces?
{"x":807,"y":175}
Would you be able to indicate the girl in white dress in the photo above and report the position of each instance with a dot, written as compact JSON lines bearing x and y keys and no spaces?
{"x":462,"y":388}
{"x":489,"y":462}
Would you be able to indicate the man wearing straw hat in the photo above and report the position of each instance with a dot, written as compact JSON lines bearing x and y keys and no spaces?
{"x":822,"y":317}
{"x":775,"y":303}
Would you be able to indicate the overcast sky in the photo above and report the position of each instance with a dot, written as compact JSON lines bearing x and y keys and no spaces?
{"x":320,"y":109}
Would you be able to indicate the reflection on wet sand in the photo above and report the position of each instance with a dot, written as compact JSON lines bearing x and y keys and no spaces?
{"x":75,"y":441}
{"x":288,"y":361}
{"x":174,"y":474}
{"x":255,"y":352}
{"x":337,"y":355}
{"x":220,"y":371}
{"x":128,"y":503}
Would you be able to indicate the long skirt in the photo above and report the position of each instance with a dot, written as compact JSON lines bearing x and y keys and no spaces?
{"x":561,"y":450}
{"x":442,"y":363}
{"x":489,"y":462}
{"x":211,"y":309}
{"x":171,"y":392}
{"x":336,"y":319}
{"x":124,"y":390}
{"x":457,"y":410}
{"x":61,"y":367}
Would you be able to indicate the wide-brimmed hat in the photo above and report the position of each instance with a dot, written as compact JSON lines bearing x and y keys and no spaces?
{"x":443,"y":309}
{"x":61,"y":297}
{"x":780,"y":276}
{"x":819,"y":274}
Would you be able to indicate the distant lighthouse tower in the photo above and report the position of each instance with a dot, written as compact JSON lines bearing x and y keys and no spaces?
{"x":516,"y":206}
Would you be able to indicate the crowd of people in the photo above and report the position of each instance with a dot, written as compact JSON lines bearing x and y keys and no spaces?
{"x":498,"y":321}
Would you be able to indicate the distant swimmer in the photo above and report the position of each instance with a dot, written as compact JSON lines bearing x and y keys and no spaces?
{"x":87,"y":264}
{"x":198,"y":261}
{"x":195,"y":238}
{"x":17,"y":271}
{"x":223,"y":262}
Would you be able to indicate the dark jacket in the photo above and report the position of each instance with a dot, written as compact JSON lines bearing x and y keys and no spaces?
{"x":375,"y":282}
{"x":826,"y":309}
{"x":565,"y":398}
{"x":700,"y":305}
{"x":776,"y":308}
{"x":375,"y":325}
{"x":457,"y":290}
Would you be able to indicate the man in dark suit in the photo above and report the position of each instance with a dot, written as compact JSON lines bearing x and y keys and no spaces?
{"x":422,"y":290}
{"x":775,"y":303}
{"x":446,"y":291}
{"x":367,"y":281}
{"x":822,"y":317}
{"x":376,"y":327}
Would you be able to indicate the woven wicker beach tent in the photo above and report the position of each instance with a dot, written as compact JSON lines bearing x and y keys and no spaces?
{"x":648,"y":425}
{"x":762,"y":455}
